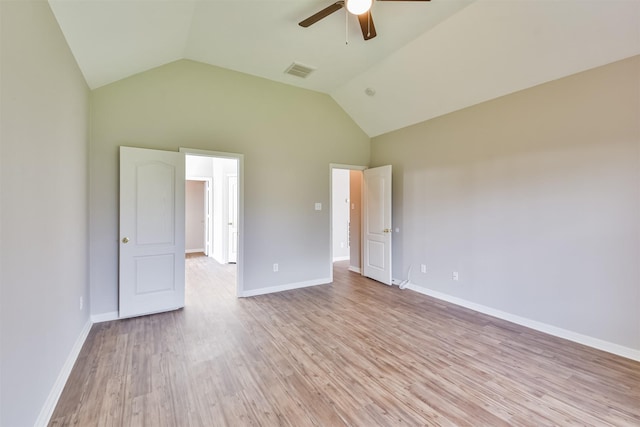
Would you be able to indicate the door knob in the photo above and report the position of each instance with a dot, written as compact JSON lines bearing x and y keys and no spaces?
{"x":387,"y":230}
{"x":125,"y":240}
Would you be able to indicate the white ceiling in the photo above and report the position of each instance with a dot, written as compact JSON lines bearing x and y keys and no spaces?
{"x":429,"y":58}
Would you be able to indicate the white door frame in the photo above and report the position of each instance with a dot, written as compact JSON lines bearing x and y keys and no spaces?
{"x":240,"y":159}
{"x":333,"y":166}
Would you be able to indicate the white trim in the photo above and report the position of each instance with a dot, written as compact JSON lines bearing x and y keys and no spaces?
{"x":209,"y":153}
{"x":349,"y":167}
{"x":355,"y":269}
{"x":596,"y":343}
{"x":193,"y":251}
{"x":105,"y":317}
{"x":196,"y":177}
{"x":240,"y":159}
{"x":287,"y":287}
{"x":341,"y":258}
{"x":52,"y":400}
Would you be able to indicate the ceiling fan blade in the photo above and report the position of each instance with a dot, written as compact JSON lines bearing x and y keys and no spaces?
{"x":322,"y":14}
{"x":366,"y":25}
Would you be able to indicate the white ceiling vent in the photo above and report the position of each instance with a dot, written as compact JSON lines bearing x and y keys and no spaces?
{"x":299,"y":70}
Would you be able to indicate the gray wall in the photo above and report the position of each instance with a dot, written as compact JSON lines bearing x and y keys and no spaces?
{"x":533,"y":198}
{"x":44,"y":106}
{"x":288,"y":136}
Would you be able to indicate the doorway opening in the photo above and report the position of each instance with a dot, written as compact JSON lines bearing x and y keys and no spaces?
{"x":197,"y":219}
{"x":346,"y":217}
{"x":213,"y":205}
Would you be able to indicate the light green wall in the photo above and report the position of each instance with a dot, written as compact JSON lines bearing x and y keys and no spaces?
{"x":534,"y":198}
{"x":44,"y":112}
{"x":288,"y":136}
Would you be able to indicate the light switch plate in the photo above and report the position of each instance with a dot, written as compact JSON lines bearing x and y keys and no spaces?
{"x":318,"y":206}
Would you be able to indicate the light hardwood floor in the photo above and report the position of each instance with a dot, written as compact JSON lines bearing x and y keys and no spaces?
{"x":352,"y":353}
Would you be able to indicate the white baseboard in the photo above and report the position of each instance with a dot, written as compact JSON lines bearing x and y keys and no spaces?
{"x":105,"y":317}
{"x":354,"y":269}
{"x":193,"y":251}
{"x":597,"y":343}
{"x":63,"y":376}
{"x":341,"y":258}
{"x":287,"y":287}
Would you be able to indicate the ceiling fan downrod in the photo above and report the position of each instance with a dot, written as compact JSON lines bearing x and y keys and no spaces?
{"x":346,"y":28}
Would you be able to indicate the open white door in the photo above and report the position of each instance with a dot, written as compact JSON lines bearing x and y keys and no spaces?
{"x":377,"y":224}
{"x":207,"y":217}
{"x":232,"y":252}
{"x":152,"y":231}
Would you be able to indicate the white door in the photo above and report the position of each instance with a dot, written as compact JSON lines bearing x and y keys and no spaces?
{"x":232,"y":252}
{"x":152,"y":231}
{"x":377,"y":224}
{"x":207,"y":218}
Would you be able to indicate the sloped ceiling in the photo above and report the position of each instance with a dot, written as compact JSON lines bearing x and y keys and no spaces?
{"x":429,"y":58}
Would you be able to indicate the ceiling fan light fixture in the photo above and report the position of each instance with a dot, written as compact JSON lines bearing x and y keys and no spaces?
{"x":358,"y":7}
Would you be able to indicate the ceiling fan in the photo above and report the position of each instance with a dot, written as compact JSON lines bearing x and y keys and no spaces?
{"x":360,"y":8}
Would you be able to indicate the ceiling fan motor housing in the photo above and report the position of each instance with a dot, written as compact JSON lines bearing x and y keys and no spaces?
{"x":360,"y":8}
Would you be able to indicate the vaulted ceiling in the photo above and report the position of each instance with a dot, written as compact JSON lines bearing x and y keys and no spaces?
{"x":429,"y":58}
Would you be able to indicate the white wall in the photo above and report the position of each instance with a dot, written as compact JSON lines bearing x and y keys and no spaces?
{"x":44,"y":113}
{"x":198,"y":167}
{"x":340,"y":207}
{"x":287,"y":145}
{"x":534,"y":198}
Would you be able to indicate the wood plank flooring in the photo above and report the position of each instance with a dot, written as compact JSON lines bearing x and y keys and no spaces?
{"x":354,"y":353}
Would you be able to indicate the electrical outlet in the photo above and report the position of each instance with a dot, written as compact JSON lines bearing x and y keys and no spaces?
{"x":423,"y":268}
{"x":455,"y":276}
{"x":81,"y":303}
{"x":275,"y":268}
